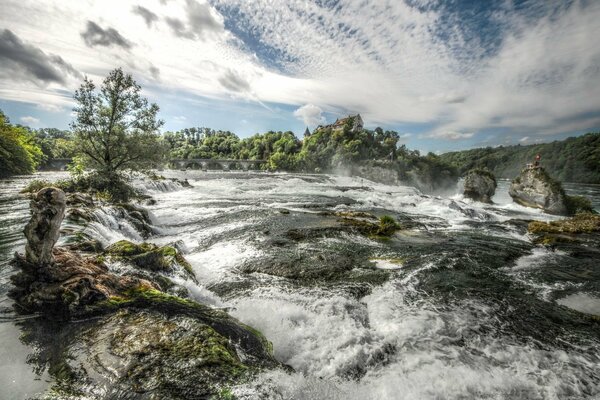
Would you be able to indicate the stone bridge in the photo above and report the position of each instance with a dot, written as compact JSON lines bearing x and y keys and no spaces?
{"x":192,"y":163}
{"x":205,"y":163}
{"x":57,"y":164}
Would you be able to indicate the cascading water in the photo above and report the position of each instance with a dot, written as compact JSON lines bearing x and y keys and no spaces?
{"x":459,"y":305}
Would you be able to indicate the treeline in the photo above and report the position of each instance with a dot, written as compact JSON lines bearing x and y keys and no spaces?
{"x":576,"y":159}
{"x":325,"y":150}
{"x":23,"y":150}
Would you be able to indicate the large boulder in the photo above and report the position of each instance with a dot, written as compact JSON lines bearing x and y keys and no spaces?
{"x":535,"y":188}
{"x":480,"y":185}
{"x":47,"y":212}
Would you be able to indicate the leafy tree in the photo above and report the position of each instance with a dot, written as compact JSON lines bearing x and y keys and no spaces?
{"x":116,"y":129}
{"x":19,"y":153}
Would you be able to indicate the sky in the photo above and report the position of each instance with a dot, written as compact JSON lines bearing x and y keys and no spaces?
{"x":446,"y":75}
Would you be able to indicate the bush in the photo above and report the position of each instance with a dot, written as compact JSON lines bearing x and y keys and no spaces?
{"x":113,"y":189}
{"x":578,"y":204}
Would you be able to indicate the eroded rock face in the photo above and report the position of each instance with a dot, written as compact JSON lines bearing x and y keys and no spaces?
{"x":480,"y":185}
{"x":47,"y":212}
{"x":535,"y":188}
{"x":70,"y":287}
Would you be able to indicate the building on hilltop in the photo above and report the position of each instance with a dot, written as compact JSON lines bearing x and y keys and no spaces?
{"x":355,"y":120}
{"x":339,"y":124}
{"x":306,"y":132}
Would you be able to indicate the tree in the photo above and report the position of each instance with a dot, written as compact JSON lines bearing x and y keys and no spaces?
{"x":19,"y":154}
{"x":116,"y":129}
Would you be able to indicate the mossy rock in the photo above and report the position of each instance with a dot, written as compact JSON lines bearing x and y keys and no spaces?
{"x":153,"y":345}
{"x":384,"y":228}
{"x":149,"y":256}
{"x":580,"y":223}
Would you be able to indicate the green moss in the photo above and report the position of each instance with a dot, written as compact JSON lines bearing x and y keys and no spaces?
{"x":224,"y":394}
{"x":383,"y":230}
{"x":580,"y":223}
{"x":149,"y":256}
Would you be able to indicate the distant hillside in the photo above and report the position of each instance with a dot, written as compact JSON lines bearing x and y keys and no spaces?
{"x":575,"y":159}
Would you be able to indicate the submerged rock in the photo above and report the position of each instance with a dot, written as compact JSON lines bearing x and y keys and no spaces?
{"x":480,"y":185}
{"x":47,"y":212}
{"x":535,"y":188}
{"x":155,"y":346}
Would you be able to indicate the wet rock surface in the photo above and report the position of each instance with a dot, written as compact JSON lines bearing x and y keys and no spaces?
{"x":535,"y":188}
{"x":480,"y":185}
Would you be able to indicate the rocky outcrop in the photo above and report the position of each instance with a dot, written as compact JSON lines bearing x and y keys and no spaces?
{"x":141,"y":343}
{"x":70,"y":287}
{"x":47,"y":212}
{"x":387,"y":175}
{"x":480,"y":185}
{"x":535,"y":188}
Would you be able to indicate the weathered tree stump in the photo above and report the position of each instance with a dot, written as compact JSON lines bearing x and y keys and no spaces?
{"x":43,"y":229}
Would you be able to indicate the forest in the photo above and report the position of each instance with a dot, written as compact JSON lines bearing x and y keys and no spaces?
{"x":576,"y":159}
{"x":325,"y":150}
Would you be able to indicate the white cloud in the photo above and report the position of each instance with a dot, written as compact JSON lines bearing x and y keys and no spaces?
{"x":524,"y":139}
{"x":542,"y":78}
{"x":450,"y":135}
{"x":50,"y":107}
{"x":310,"y":115}
{"x":30,"y":120}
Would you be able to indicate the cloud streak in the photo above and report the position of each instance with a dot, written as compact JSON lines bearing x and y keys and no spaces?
{"x":148,"y":16}
{"x":94,"y":35}
{"x":23,"y":61}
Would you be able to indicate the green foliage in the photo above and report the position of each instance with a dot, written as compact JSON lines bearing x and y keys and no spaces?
{"x":54,"y":143}
{"x":484,"y":172}
{"x":115,"y":128}
{"x":575,"y":159}
{"x":387,"y":225}
{"x":578,"y":204}
{"x":19,"y":152}
{"x":580,"y":223}
{"x":112,"y":189}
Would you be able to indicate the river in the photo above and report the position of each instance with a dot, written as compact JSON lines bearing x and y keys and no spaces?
{"x":461,"y":305}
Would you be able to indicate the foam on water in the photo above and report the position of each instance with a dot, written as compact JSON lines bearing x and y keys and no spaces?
{"x":582,"y":302}
{"x":399,"y":348}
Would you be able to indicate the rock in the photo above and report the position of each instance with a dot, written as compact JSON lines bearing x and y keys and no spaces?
{"x":535,"y":188}
{"x":149,"y":345}
{"x":71,"y":286}
{"x":80,"y":199}
{"x":47,"y":212}
{"x":137,"y":216}
{"x":384,"y":173}
{"x":480,"y":185}
{"x":113,"y":334}
{"x":150,"y":257}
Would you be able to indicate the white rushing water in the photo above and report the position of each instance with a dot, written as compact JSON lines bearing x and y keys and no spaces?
{"x":398,"y":340}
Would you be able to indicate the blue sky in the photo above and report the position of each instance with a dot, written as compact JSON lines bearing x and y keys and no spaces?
{"x":446,"y":75}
